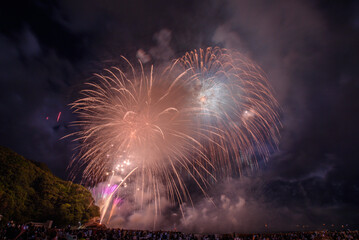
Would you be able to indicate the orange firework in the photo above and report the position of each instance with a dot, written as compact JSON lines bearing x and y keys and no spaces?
{"x":205,"y":116}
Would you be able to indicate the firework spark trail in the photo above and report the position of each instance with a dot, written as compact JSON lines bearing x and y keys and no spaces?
{"x":207,"y":115}
{"x":58,"y":117}
{"x":115,"y":202}
{"x":109,"y":198}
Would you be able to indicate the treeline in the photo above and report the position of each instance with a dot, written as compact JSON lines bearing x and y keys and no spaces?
{"x":30,"y":192}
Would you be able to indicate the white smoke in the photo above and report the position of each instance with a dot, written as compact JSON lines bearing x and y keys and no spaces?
{"x":162,"y":51}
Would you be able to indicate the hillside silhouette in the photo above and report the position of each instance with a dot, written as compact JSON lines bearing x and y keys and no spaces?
{"x":30,"y":192}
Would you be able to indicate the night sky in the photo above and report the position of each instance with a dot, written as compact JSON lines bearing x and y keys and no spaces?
{"x":308,"y":49}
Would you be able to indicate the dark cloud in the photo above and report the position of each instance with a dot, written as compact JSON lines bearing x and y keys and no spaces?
{"x":298,"y":45}
{"x":308,"y":50}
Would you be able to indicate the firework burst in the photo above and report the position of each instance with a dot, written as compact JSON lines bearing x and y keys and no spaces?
{"x":237,"y":104}
{"x":205,"y":116}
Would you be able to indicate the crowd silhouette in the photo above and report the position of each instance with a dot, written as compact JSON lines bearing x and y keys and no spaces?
{"x":29,"y":232}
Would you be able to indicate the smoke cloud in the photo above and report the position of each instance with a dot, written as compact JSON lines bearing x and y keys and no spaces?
{"x":308,"y":50}
{"x":299,"y":187}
